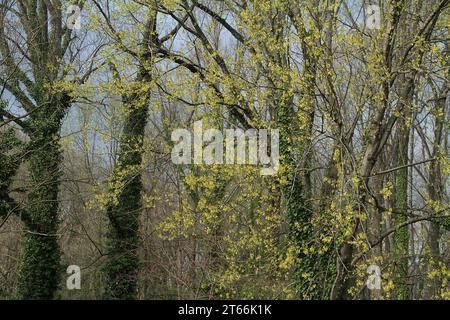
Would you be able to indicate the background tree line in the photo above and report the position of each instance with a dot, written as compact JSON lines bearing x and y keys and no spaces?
{"x":86,"y":176}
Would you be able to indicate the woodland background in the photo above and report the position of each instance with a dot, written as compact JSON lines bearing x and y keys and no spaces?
{"x":86,"y":176}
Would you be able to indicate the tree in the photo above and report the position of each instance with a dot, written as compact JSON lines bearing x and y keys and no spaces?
{"x":34,"y":41}
{"x":126,"y":187}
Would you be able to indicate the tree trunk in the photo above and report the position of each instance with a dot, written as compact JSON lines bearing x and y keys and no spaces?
{"x":40,"y":257}
{"x":307,"y":265}
{"x":401,"y":236}
{"x":435,"y":189}
{"x":123,"y":263}
{"x":122,"y":266}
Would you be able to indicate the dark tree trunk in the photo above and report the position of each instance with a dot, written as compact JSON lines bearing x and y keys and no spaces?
{"x":122,"y":267}
{"x":40,"y":256}
{"x":401,"y":236}
{"x":123,"y":263}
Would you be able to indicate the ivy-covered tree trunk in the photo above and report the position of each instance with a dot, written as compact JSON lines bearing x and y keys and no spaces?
{"x":307,"y":264}
{"x":401,"y":236}
{"x":123,"y":263}
{"x":9,"y":164}
{"x":124,"y":209}
{"x":33,"y":42}
{"x":40,"y":257}
{"x":435,"y":188}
